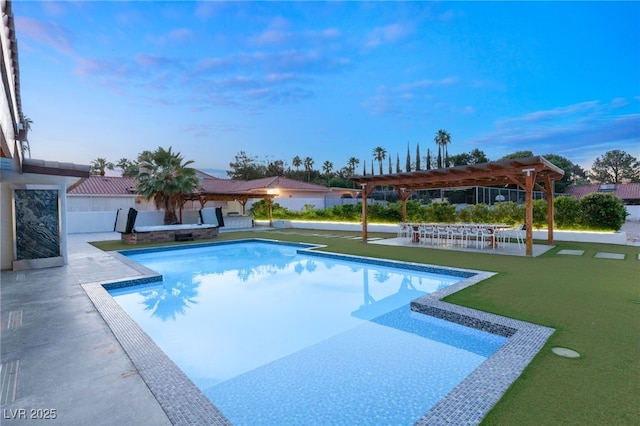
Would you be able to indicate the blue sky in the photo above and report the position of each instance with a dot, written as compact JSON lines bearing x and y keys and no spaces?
{"x":328,"y":80}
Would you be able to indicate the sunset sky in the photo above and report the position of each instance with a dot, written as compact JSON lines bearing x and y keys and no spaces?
{"x":328,"y":80}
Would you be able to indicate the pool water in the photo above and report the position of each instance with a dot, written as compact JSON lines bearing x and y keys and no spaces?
{"x":275,"y":336}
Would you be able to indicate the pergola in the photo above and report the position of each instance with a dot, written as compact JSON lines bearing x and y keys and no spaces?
{"x":528,"y":173}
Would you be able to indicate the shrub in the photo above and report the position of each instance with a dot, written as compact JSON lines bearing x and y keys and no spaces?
{"x":441,"y":212}
{"x":260,"y":210}
{"x":539,"y":213}
{"x":566,"y":213}
{"x":602,"y":211}
{"x":508,"y":212}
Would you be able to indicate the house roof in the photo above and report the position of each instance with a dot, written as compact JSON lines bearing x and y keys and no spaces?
{"x":104,"y":185}
{"x":119,"y":185}
{"x":624,"y":191}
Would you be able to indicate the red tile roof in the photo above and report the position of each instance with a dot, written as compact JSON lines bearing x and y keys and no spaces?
{"x":624,"y":191}
{"x":118,"y":185}
{"x":628,"y":191}
{"x":105,"y":185}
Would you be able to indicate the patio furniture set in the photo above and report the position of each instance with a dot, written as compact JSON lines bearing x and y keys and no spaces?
{"x":461,"y":234}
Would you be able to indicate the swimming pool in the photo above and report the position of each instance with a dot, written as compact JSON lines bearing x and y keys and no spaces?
{"x":275,"y":336}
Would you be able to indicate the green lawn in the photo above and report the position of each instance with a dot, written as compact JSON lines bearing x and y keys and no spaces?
{"x":594,"y":305}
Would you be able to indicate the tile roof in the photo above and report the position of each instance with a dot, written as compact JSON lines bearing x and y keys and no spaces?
{"x":119,"y":185}
{"x":628,"y":191}
{"x":104,"y":185}
{"x":624,"y":191}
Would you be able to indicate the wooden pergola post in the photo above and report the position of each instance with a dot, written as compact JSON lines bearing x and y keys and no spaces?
{"x":366,"y":191}
{"x":404,"y":195}
{"x":549,"y":184}
{"x":528,"y":206}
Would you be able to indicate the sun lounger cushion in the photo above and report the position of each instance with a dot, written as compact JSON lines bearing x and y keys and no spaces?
{"x":124,"y":223}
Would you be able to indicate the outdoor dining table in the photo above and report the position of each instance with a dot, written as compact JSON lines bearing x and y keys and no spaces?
{"x":492,"y":227}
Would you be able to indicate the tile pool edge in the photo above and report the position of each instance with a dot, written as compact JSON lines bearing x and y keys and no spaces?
{"x":179,"y":397}
{"x":467,"y":403}
{"x":471,"y":400}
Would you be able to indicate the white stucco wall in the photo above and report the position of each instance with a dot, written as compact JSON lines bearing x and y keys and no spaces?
{"x":634,"y":213}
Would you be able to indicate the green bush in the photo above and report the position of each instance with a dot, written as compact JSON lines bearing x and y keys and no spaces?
{"x":567,"y":213}
{"x":508,"y":212}
{"x":595,"y":211}
{"x":260,"y":210}
{"x":441,"y":212}
{"x":602,"y":211}
{"x":539,"y":213}
{"x":478,"y":213}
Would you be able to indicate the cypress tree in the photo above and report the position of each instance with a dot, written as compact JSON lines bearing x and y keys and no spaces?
{"x":397,"y":163}
{"x":408,"y":165}
{"x":418,"y":157}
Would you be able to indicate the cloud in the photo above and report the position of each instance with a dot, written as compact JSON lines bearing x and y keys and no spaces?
{"x":580,"y":132}
{"x":50,"y":35}
{"x":399,"y":100}
{"x":387,"y":34}
{"x":179,"y":35}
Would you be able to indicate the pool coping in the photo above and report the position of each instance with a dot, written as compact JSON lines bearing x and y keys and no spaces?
{"x":468,"y":403}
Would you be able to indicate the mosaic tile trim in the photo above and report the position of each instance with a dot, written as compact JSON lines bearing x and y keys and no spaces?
{"x":181,"y":400}
{"x":395,"y":264}
{"x":471,"y":400}
{"x":123,"y":253}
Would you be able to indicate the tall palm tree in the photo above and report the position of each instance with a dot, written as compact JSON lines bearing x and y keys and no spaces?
{"x":442,"y":139}
{"x":164,"y":177}
{"x":125,"y":165}
{"x":327,"y":168}
{"x":100,"y":165}
{"x":308,"y":166}
{"x":379,"y":154}
{"x":352,"y":163}
{"x":297,"y":162}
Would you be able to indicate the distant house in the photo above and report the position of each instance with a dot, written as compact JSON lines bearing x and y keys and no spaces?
{"x":93,"y":202}
{"x":629,"y":193}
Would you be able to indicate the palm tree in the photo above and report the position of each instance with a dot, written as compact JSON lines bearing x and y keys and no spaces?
{"x":297,"y":162}
{"x":164,"y":177}
{"x":379,"y":154}
{"x":327,"y":168}
{"x":308,"y":166}
{"x":352,"y":163}
{"x":100,"y":165}
{"x":125,"y":165}
{"x":442,"y":139}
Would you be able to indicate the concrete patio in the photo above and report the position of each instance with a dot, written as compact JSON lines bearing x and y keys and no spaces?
{"x":59,"y":358}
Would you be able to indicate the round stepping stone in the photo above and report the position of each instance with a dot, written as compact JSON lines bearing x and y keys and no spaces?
{"x":567,"y":353}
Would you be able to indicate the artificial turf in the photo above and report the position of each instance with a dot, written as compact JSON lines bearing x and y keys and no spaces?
{"x":593,"y":304}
